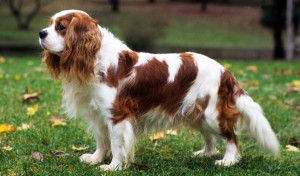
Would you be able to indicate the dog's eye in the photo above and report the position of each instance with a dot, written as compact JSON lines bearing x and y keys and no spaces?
{"x":60,"y":27}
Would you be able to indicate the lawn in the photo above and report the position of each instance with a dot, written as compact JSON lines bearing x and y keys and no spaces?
{"x":270,"y":83}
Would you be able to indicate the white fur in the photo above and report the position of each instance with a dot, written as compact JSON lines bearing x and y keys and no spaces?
{"x":94,"y":102}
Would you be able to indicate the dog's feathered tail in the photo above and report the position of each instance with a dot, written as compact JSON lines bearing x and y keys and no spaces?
{"x":257,"y":124}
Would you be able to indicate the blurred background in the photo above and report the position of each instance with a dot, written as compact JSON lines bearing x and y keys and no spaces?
{"x":237,"y":29}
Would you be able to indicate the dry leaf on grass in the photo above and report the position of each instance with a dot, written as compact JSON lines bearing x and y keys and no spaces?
{"x":24,"y":126}
{"x":293,"y":141}
{"x":7,"y":148}
{"x":37,"y":156}
{"x":6,"y":128}
{"x":162,"y":134}
{"x":77,"y":149}
{"x":59,"y":153}
{"x":252,"y":68}
{"x":291,"y":148}
{"x":156,"y":136}
{"x":57,"y":121}
{"x":293,"y":87}
{"x":32,"y":110}
{"x":2,"y":60}
{"x":30,"y":97}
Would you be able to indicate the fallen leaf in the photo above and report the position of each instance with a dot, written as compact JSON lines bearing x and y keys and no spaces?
{"x":291,"y":148}
{"x":30,"y":97}
{"x":172,"y":132}
{"x":7,"y":148}
{"x":57,"y":118}
{"x":293,"y":87}
{"x":59,"y":153}
{"x":156,"y":136}
{"x":287,"y":72}
{"x":2,"y":60}
{"x":293,"y":141}
{"x":57,"y":121}
{"x":78,"y":148}
{"x":32,"y":110}
{"x":37,"y":156}
{"x":252,"y":68}
{"x":140,"y":166}
{"x":6,"y":128}
{"x":24,"y":126}
{"x":227,"y":66}
{"x":17,"y":77}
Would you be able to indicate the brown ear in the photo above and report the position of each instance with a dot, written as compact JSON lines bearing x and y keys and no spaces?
{"x":82,"y":42}
{"x":52,"y":62}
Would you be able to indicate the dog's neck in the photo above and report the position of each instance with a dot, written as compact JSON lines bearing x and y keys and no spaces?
{"x":111,"y":47}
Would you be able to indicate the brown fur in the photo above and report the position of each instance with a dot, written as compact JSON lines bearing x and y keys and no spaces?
{"x":150,"y":89}
{"x":228,"y":112}
{"x":82,"y":42}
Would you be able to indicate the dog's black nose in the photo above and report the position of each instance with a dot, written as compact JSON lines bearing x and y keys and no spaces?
{"x":43,"y":34}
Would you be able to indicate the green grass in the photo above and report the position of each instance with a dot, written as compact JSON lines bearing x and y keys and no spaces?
{"x":169,"y":156}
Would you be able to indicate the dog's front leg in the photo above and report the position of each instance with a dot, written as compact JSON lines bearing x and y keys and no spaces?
{"x":101,"y":135}
{"x":122,"y":145}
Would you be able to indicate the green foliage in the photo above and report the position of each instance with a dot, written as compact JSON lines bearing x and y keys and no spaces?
{"x":169,"y":156}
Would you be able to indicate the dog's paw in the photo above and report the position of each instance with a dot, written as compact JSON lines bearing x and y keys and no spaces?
{"x":226,"y":162}
{"x":110,"y":167}
{"x":90,"y":159}
{"x":202,"y":153}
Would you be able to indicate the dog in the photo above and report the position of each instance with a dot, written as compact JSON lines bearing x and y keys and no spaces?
{"x":122,"y":93}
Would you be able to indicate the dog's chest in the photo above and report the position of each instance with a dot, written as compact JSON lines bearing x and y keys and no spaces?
{"x":88,"y":101}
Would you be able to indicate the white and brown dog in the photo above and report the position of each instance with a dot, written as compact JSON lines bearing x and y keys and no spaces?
{"x":122,"y":93}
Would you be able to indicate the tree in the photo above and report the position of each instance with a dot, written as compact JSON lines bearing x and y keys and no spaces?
{"x":16,"y":9}
{"x":278,"y":26}
{"x":114,"y":5}
{"x":289,"y":30}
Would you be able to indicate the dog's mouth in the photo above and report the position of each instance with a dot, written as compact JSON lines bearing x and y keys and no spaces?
{"x":42,"y":44}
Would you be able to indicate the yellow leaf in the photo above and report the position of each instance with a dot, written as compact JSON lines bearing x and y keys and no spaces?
{"x":7,"y":148}
{"x":32,"y":110}
{"x":2,"y":59}
{"x":78,"y":148}
{"x":156,"y":136}
{"x":172,"y":132}
{"x":58,"y":123}
{"x":252,"y":68}
{"x":291,"y":148}
{"x":227,"y":66}
{"x":17,"y":77}
{"x":24,"y":126}
{"x":6,"y":128}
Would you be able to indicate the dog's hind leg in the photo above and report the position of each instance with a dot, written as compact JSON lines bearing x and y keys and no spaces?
{"x":210,"y":148}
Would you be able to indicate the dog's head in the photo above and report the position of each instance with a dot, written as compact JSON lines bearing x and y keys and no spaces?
{"x":70,"y":45}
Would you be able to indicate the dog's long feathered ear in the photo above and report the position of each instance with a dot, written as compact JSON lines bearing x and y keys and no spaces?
{"x":52,"y":62}
{"x":82,"y":42}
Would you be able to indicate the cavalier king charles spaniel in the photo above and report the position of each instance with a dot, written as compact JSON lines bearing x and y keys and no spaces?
{"x":122,"y":93}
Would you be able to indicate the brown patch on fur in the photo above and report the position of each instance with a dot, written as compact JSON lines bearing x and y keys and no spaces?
{"x":228,"y":112}
{"x":127,"y":59}
{"x":65,"y":21}
{"x":150,"y":89}
{"x":82,"y":42}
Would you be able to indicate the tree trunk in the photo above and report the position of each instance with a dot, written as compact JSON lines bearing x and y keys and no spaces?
{"x":289,"y":30}
{"x":15,"y":9}
{"x":278,"y":24}
{"x":115,"y":5}
{"x":204,"y":5}
{"x":151,"y":1}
